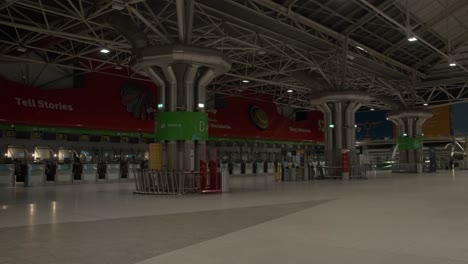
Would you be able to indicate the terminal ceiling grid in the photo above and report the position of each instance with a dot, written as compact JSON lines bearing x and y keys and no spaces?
{"x":347,"y":44}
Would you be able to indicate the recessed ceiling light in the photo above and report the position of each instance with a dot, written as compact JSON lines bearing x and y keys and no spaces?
{"x":200,"y":105}
{"x":452,"y":64}
{"x":104,"y":51}
{"x":425,"y":104}
{"x":372,"y":109}
{"x":289,"y":91}
{"x":245,"y":81}
{"x":412,"y":39}
{"x":21,"y":49}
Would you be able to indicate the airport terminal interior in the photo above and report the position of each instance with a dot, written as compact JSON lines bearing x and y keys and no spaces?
{"x":233,"y":131}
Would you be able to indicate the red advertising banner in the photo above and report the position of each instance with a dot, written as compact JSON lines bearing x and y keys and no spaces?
{"x":107,"y":102}
{"x":113,"y":103}
{"x":247,"y":118}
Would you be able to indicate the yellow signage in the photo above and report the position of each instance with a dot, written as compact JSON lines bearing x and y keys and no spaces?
{"x":155,"y":156}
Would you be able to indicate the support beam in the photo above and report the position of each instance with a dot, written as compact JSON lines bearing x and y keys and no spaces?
{"x":180,"y":5}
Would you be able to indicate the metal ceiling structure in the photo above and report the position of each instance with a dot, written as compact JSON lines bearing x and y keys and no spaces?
{"x":346,"y":44}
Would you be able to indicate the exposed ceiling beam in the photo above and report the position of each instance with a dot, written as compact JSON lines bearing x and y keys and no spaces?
{"x":383,"y":14}
{"x":306,"y":21}
{"x":430,"y":23}
{"x":368,"y":17}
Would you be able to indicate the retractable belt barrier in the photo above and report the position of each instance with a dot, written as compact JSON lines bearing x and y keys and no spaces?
{"x":167,"y":182}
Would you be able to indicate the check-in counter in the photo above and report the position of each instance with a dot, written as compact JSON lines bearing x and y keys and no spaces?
{"x":64,"y":174}
{"x":36,"y":174}
{"x":133,"y":170}
{"x":7,"y":175}
{"x":89,"y":173}
{"x":113,"y":172}
{"x":236,"y":170}
{"x":271,"y":167}
{"x":248,"y":168}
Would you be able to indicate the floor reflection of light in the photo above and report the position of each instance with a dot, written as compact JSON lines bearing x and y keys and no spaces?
{"x":32,"y":215}
{"x":54,"y":212}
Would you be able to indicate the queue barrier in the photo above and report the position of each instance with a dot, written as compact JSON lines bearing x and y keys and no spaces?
{"x":358,"y":171}
{"x":167,"y":182}
{"x":335,"y":172}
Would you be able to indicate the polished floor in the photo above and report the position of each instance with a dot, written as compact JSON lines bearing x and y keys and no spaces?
{"x":390,"y":218}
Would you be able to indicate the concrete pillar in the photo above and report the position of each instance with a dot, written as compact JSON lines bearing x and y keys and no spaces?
{"x":339,"y":108}
{"x":409,"y":123}
{"x":186,"y":71}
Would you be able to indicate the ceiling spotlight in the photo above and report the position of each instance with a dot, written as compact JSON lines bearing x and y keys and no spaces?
{"x":104,"y":50}
{"x":21,"y":49}
{"x":245,"y":81}
{"x":361,"y":48}
{"x":200,"y":105}
{"x":372,"y":109}
{"x":412,"y":39}
{"x":452,"y":64}
{"x":425,"y":104}
{"x":289,"y":91}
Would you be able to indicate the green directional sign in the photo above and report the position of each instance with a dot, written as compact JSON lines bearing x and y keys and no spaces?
{"x":410,"y":143}
{"x":181,"y":126}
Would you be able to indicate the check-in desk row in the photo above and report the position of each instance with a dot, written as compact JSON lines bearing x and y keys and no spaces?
{"x":249,"y":168}
{"x":37,"y":174}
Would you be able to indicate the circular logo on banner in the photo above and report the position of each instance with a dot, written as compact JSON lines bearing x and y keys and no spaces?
{"x":258,"y":117}
{"x":138,"y":100}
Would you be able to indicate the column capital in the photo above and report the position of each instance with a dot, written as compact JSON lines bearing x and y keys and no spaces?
{"x":410,"y":113}
{"x":340,"y":96}
{"x":163,"y":56}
